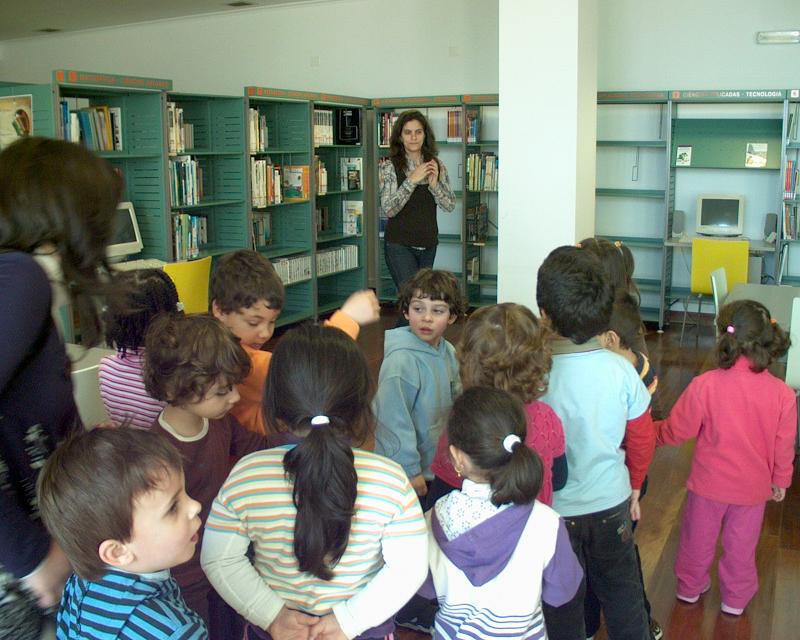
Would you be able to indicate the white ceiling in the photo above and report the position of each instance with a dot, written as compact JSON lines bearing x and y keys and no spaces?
{"x":24,"y":18}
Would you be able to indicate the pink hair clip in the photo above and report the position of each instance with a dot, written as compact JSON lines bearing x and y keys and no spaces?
{"x":731,"y":329}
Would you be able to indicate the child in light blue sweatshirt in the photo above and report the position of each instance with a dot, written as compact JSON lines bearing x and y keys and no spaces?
{"x":419,"y":375}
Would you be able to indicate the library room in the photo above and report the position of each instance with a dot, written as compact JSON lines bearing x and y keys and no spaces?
{"x":261,"y":278}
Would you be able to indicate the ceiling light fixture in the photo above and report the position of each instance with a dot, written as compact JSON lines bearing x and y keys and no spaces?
{"x":48,"y":30}
{"x":239,"y":3}
{"x":778,"y":37}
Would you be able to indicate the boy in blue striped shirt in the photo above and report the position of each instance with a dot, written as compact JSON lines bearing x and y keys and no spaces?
{"x":114,"y":500}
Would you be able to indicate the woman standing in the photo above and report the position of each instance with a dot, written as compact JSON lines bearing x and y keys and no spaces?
{"x":56,"y":199}
{"x":412,"y":184}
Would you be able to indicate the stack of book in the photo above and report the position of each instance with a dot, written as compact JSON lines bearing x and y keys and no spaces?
{"x":180,"y":134}
{"x":262,"y":229}
{"x":454,"y":125}
{"x":293,"y":270}
{"x":332,"y":261}
{"x":189,"y":234}
{"x":320,"y":176}
{"x":296,"y":182}
{"x":186,"y":181}
{"x":385,"y":123}
{"x":350,"y":171}
{"x":323,"y":127}
{"x":482,"y":172}
{"x":265,"y":181}
{"x":98,"y":128}
{"x":258,"y":131}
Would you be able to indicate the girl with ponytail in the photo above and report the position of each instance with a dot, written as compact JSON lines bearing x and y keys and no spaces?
{"x":492,"y":535}
{"x":339,"y":542}
{"x":744,"y":421}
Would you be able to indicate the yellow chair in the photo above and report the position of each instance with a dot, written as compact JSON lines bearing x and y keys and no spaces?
{"x":707,"y":256}
{"x":191,"y":280}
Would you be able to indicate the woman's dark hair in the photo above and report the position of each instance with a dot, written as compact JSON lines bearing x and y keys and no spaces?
{"x":57,"y":195}
{"x":480,"y":421}
{"x":745,"y":328}
{"x":149,"y":292}
{"x":320,"y":371}
{"x":618,"y":262}
{"x":397,"y":152}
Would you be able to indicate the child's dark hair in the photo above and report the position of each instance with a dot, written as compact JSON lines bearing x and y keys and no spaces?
{"x":480,"y":421}
{"x":436,"y":285}
{"x":626,"y":321}
{"x":320,"y":372}
{"x":397,"y":152}
{"x":89,"y":485}
{"x":507,"y":347}
{"x":745,"y":328}
{"x":149,"y":292}
{"x":186,"y":355}
{"x":572,"y":288}
{"x":242,"y":278}
{"x":618,"y":262}
{"x":58,"y":195}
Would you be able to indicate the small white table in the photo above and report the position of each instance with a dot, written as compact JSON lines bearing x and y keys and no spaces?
{"x":777,"y":298}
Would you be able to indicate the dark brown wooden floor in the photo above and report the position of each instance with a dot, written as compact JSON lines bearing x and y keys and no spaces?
{"x":774,"y":614}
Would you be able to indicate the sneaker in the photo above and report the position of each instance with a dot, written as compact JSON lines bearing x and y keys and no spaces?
{"x":421,"y":618}
{"x":656,"y":632}
{"x":731,"y":611}
{"x":416,"y":624}
{"x":691,"y":599}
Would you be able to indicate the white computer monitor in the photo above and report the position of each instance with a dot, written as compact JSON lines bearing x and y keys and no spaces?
{"x":126,"y":240}
{"x":720,"y":215}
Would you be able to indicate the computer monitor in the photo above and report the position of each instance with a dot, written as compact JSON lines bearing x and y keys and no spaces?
{"x":126,"y":239}
{"x":720,"y":215}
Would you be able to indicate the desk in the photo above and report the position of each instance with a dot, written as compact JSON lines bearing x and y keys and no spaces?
{"x":756,"y":246}
{"x":778,"y":299}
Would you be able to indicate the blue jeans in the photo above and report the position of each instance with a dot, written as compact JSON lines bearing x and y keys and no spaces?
{"x":603,"y":542}
{"x":404,"y":262}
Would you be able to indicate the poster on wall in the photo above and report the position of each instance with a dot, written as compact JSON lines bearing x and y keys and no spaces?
{"x":756,"y":155}
{"x":16,"y":118}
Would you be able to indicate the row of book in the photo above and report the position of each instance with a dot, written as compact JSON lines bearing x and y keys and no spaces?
{"x":186,"y":181}
{"x":338,"y":259}
{"x":790,"y":221}
{"x":352,"y":218}
{"x":323,"y":127}
{"x":454,"y":124}
{"x":385,"y":123}
{"x":790,"y":182}
{"x":180,"y":134}
{"x":262,"y":228}
{"x":98,"y":128}
{"x":477,"y":221}
{"x":258,"y":130}
{"x":189,"y":235}
{"x":293,"y":270}
{"x":275,"y":184}
{"x":482,"y":172}
{"x":320,"y":176}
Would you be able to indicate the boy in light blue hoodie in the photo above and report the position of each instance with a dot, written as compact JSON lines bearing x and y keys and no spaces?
{"x":419,"y":375}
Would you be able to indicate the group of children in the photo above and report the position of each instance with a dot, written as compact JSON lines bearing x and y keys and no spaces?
{"x":251,"y":503}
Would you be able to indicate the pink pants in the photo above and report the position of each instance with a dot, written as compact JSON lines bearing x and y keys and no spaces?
{"x":741,"y":527}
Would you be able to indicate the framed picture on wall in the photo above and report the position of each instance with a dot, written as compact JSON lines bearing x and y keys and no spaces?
{"x":16,"y":118}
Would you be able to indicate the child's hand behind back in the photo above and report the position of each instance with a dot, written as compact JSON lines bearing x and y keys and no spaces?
{"x":778,"y":493}
{"x":363,"y":307}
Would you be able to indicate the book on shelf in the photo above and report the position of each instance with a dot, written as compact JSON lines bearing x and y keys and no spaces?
{"x":115,"y":113}
{"x":180,"y":134}
{"x":295,"y":182}
{"x":385,"y":123}
{"x":186,"y":181}
{"x":348,"y":125}
{"x":474,"y":270}
{"x":790,"y":181}
{"x":322,"y":219}
{"x":350,"y":172}
{"x":323,"y":127}
{"x":189,"y":235}
{"x":293,"y":270}
{"x":320,"y":176}
{"x":352,"y":216}
{"x":258,"y":132}
{"x":262,"y":229}
{"x":789,"y":221}
{"x":454,"y":124}
{"x":91,"y":126}
{"x":477,"y":221}
{"x":330,"y":261}
{"x":265,"y":183}
{"x":473,"y":115}
{"x":482,"y":171}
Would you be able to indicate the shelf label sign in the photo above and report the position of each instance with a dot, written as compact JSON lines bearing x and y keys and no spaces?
{"x":752,"y":95}
{"x":268,"y":92}
{"x":68,"y":76}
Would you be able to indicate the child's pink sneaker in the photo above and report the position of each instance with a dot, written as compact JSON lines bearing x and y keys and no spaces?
{"x":731,"y":611}
{"x":692,"y":599}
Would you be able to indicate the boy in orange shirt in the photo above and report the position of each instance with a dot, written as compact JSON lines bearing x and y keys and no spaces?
{"x":247,"y":296}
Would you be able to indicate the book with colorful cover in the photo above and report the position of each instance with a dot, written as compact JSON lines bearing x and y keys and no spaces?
{"x":295,"y":182}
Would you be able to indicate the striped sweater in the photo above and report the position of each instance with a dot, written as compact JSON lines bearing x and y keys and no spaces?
{"x":129,"y":606}
{"x":383,"y":565}
{"x":123,"y":392}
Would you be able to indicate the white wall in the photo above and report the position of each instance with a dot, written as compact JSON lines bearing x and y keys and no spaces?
{"x":368,"y":48}
{"x":695,"y":44}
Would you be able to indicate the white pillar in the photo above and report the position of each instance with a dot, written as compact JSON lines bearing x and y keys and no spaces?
{"x":548,"y":87}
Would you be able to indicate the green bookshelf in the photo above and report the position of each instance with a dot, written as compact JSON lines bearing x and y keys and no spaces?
{"x":41,"y":96}
{"x":142,"y":160}
{"x":214,"y":142}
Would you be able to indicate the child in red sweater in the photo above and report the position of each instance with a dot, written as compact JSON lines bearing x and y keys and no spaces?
{"x":744,"y":420}
{"x":507,"y":347}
